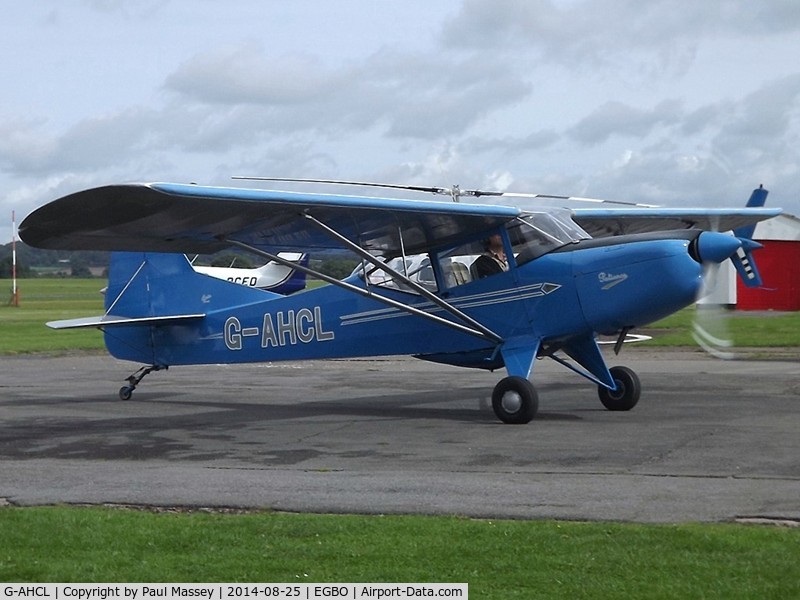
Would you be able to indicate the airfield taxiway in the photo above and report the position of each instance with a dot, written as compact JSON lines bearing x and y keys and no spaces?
{"x":709,"y":441}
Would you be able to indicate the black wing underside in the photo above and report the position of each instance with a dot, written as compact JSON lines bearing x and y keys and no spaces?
{"x":199,"y":219}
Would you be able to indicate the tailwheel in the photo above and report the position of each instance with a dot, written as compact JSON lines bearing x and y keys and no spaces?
{"x":627,"y":393}
{"x":126,"y":391}
{"x":515,"y":401}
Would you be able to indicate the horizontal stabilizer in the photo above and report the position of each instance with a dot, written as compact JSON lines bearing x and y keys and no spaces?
{"x":115,"y":321}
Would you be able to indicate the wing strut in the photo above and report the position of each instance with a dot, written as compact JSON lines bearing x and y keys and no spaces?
{"x":425,"y":293}
{"x":364,"y":292}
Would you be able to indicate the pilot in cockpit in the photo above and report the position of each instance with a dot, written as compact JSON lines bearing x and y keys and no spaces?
{"x":492,"y":261}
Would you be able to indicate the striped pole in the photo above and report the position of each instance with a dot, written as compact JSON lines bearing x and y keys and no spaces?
{"x":14,"y":290}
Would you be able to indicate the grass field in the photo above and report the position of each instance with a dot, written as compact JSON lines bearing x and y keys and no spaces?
{"x":41,"y":300}
{"x":745,"y":329}
{"x":499,"y":559}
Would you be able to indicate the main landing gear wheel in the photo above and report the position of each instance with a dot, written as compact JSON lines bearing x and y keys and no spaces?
{"x":515,"y":401}
{"x":629,"y":388}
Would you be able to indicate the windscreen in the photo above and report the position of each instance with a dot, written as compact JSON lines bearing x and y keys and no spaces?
{"x":535,"y":234}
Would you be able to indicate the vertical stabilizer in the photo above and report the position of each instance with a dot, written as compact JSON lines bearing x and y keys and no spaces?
{"x":165,"y":292}
{"x":757,"y":199}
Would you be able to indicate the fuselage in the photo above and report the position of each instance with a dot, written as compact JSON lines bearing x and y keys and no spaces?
{"x":575,"y":290}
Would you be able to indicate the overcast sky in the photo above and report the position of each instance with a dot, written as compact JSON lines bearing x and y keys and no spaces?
{"x":673,"y":102}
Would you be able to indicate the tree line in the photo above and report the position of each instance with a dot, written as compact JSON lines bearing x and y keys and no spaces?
{"x":36,"y":262}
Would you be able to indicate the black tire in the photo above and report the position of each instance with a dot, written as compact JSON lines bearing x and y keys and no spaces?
{"x":629,"y":388}
{"x":125,"y":392}
{"x":515,"y":401}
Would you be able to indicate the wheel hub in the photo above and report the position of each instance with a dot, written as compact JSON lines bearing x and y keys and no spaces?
{"x":511,"y":402}
{"x":619,"y":393}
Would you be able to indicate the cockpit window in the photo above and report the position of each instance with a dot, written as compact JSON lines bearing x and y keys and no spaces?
{"x":535,"y":234}
{"x":456,"y":263}
{"x":417,"y":268}
{"x":532,"y":235}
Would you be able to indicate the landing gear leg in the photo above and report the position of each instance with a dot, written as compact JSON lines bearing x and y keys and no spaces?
{"x":514,"y":400}
{"x":126,"y":391}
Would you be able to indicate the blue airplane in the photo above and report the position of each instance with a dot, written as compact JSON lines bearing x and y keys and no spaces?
{"x":555,"y":288}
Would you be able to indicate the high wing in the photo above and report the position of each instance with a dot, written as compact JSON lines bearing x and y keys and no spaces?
{"x":608,"y":222}
{"x":164,"y":217}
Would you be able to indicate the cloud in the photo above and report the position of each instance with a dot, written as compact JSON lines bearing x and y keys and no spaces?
{"x":405,"y":95}
{"x":140,"y":8}
{"x":767,"y":113}
{"x":655,"y":37}
{"x":613,"y":25}
{"x":22,"y":148}
{"x":535,"y":141}
{"x":429,"y":99}
{"x":711,"y":155}
{"x":617,"y":118}
{"x":245,"y":76}
{"x":94,"y":143}
{"x":761,"y":136}
{"x":657,"y":101}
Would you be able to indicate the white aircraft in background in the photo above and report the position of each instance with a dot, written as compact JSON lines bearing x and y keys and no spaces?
{"x":270,"y":276}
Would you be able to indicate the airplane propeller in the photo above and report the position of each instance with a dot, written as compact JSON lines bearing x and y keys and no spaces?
{"x":710,"y":328}
{"x":711,"y":324}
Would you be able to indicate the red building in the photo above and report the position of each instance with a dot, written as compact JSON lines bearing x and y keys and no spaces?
{"x":779,"y":264}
